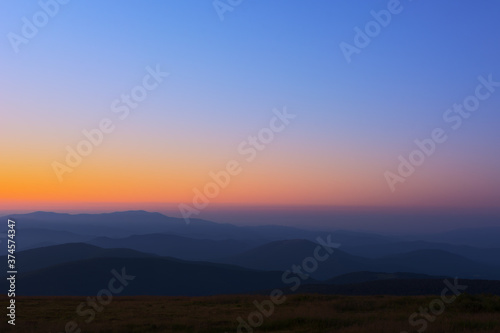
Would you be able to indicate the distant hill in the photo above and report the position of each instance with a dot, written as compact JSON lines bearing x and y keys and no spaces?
{"x":176,"y":246}
{"x":486,"y":255}
{"x":356,"y":238}
{"x":29,"y":238}
{"x":83,"y":269}
{"x":153,"y":276}
{"x":438,"y":262}
{"x":483,"y":237}
{"x":281,"y":255}
{"x":30,"y":260}
{"x":129,"y":223}
{"x":83,"y":227}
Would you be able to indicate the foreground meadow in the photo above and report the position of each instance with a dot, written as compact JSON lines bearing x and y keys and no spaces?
{"x":299,"y":313}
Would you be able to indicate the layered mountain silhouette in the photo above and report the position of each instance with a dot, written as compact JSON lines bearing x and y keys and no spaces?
{"x":34,"y":259}
{"x":64,"y":254}
{"x":281,"y":255}
{"x":152,"y":276}
{"x":176,"y":246}
{"x":486,"y":255}
{"x":124,"y":224}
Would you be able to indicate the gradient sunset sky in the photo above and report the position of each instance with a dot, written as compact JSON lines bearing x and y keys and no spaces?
{"x":226,"y":77}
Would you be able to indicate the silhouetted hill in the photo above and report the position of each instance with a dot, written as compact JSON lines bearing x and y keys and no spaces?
{"x":356,"y":238}
{"x":438,"y":262}
{"x":486,"y":255}
{"x":29,"y":238}
{"x":117,"y":224}
{"x":43,"y":257}
{"x":124,"y":224}
{"x":153,"y":276}
{"x":176,"y":246}
{"x":483,"y":237}
{"x":282,"y":255}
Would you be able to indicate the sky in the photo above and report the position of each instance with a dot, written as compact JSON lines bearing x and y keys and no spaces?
{"x":219,"y":74}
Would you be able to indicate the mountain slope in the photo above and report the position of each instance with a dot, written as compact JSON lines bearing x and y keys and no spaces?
{"x":486,"y":255}
{"x":28,"y":238}
{"x":43,"y":257}
{"x":176,"y":246}
{"x":282,"y":255}
{"x":438,"y":262}
{"x":152,"y":276}
{"x":125,"y":224}
{"x":482,"y":237}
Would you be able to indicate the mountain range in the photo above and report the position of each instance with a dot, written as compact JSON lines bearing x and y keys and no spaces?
{"x":64,"y":254}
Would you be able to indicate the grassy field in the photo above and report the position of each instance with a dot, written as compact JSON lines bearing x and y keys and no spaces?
{"x":299,"y":313}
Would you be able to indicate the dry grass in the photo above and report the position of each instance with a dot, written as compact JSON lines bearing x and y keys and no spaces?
{"x":300,"y":313}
